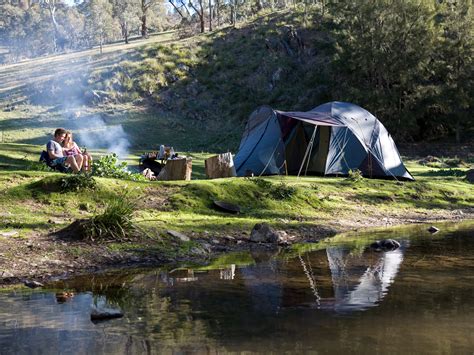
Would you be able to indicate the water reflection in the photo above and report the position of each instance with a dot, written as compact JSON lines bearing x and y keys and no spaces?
{"x":340,"y":299}
{"x":362,"y":281}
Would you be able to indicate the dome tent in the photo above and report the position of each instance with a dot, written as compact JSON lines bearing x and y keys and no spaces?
{"x":331,"y":139}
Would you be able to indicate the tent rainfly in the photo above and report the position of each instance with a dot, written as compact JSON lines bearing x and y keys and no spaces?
{"x":331,"y":139}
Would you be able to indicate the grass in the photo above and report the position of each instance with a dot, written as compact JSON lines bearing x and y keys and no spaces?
{"x":32,"y":199}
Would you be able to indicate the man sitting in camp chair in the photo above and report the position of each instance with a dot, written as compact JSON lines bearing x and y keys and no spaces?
{"x":56,"y":154}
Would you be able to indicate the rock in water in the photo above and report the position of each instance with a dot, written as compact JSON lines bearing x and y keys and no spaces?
{"x":385,"y":245}
{"x":99,"y":315}
{"x":263,"y":233}
{"x":33,"y":284}
{"x":433,"y":230}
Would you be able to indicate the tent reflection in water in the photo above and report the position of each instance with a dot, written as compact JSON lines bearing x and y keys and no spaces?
{"x":361,"y":282}
{"x":331,"y":139}
{"x":337,"y":279}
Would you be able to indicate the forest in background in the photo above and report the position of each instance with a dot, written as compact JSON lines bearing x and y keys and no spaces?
{"x":410,"y":62}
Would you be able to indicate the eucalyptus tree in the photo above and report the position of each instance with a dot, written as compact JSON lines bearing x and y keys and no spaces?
{"x":100,"y":22}
{"x":197,"y":6}
{"x":127,"y":12}
{"x":153,"y":13}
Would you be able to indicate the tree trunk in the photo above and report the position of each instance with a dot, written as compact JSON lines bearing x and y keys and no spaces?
{"x":200,"y":14}
{"x":210,"y":15}
{"x":233,"y":16}
{"x":100,"y":44}
{"x":201,"y":17}
{"x":52,"y":11}
{"x":176,"y":8}
{"x":185,"y":7}
{"x":144,"y":29}
{"x":125,"y":31}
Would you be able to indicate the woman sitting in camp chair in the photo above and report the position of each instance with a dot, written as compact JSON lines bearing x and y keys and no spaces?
{"x":70,"y":148}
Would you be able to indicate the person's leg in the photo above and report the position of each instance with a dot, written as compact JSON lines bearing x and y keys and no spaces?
{"x":79,"y":160}
{"x":73,"y":164}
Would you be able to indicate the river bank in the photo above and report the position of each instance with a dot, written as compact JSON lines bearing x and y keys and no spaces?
{"x":46,"y":257}
{"x":178,"y":222}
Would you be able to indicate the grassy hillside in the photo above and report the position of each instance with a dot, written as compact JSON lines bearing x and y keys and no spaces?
{"x":440,"y":191}
{"x":163,"y":90}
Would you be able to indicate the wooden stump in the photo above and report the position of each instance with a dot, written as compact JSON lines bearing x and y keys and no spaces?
{"x":176,"y":169}
{"x":220,"y":166}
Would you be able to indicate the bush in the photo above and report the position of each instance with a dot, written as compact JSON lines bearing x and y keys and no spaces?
{"x":262,"y":183}
{"x":283,"y":191}
{"x":114,"y":223}
{"x":355,"y":175}
{"x":77,"y":182}
{"x":38,"y":166}
{"x":109,"y":166}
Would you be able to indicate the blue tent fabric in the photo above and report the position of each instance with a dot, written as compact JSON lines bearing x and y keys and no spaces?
{"x":263,"y":150}
{"x":357,"y":140}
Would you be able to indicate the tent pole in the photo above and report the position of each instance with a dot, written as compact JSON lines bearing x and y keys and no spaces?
{"x":271,"y":156}
{"x":307,"y":149}
{"x":310,"y":150}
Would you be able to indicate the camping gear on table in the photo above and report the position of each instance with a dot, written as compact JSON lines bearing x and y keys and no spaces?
{"x":332,"y":139}
{"x":151,"y":167}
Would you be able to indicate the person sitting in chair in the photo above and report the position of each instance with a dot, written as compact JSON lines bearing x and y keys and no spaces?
{"x":83,"y":158}
{"x":55,"y":151}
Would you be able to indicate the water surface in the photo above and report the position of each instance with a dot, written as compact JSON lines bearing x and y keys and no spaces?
{"x":341,"y":297}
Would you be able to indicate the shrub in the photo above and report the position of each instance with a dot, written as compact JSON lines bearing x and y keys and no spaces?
{"x":355,"y":175}
{"x":38,"y":166}
{"x":114,"y":223}
{"x":283,"y":191}
{"x":77,"y":182}
{"x":109,"y":166}
{"x":262,"y":183}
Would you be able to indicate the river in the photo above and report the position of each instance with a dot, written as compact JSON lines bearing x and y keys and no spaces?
{"x":330,"y":297}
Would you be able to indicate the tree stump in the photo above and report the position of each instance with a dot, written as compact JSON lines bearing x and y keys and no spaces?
{"x":220,"y":166}
{"x":176,"y":169}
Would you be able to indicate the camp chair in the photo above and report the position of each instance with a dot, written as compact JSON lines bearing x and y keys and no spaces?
{"x":44,"y":158}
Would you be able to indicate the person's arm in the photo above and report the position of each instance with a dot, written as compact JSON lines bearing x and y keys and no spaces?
{"x":76,"y":148}
{"x":51,"y":153}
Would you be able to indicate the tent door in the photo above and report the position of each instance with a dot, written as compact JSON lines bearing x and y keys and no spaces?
{"x":319,"y":161}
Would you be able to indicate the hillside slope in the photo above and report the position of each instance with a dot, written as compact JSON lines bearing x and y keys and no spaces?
{"x":196,"y":93}
{"x":164,"y":90}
